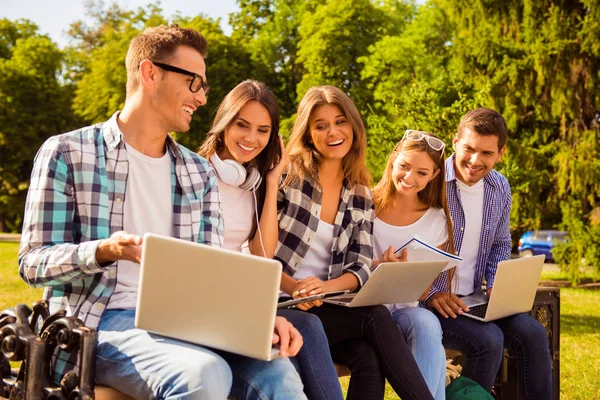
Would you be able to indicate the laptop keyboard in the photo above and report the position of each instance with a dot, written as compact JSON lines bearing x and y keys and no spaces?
{"x":478,"y":311}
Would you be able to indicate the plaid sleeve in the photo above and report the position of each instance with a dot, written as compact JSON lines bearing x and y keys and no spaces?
{"x":48,"y":255}
{"x":360,"y":250}
{"x":502,"y":244}
{"x":211,"y":226}
{"x":439,"y":285}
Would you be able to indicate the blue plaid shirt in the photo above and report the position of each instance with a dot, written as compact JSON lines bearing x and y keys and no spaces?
{"x":495,"y":242}
{"x":76,"y":198}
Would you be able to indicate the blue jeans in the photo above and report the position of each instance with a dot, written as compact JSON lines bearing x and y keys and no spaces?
{"x":424,"y":334}
{"x":314,"y":361}
{"x":148,"y":366}
{"x":483,"y":342}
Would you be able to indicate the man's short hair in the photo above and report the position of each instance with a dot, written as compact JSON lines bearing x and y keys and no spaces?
{"x":485,"y":121}
{"x":158,"y":44}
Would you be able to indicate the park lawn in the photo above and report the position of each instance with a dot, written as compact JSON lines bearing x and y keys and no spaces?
{"x":13,"y":289}
{"x":579,"y":336}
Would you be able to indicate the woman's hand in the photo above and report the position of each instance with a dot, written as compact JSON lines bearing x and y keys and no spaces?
{"x":390,"y":256}
{"x":274,"y":175}
{"x":308,"y":287}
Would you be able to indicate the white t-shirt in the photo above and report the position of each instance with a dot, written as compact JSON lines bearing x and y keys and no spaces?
{"x":472,"y":202}
{"x":148,"y":208}
{"x":317,"y":260}
{"x":431,"y":228}
{"x":237,"y":206}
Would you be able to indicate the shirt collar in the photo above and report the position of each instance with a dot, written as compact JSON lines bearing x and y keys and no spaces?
{"x":113,"y":136}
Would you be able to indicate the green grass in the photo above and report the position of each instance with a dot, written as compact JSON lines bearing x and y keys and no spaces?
{"x":13,"y":289}
{"x":579,"y":336}
{"x":588,"y":275}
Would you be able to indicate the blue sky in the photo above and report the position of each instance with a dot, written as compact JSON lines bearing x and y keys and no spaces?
{"x":54,"y":16}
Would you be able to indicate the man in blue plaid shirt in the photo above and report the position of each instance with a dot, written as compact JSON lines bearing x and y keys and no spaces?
{"x":95,"y":191}
{"x":479,"y":199}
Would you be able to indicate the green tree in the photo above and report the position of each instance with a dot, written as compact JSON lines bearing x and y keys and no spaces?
{"x":34,"y":105}
{"x":413,"y":84}
{"x":337,"y":33}
{"x":541,"y":61}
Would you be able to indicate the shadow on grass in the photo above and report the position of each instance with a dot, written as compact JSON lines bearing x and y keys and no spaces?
{"x":579,"y":324}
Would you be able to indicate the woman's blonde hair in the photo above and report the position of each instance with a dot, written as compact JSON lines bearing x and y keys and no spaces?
{"x":433,"y":195}
{"x":303,"y":156}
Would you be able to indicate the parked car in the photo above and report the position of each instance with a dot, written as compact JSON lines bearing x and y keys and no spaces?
{"x":533,"y":243}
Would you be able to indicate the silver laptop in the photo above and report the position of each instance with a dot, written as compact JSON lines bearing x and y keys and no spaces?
{"x":398,"y":282}
{"x":210,"y":296}
{"x":514,"y":290}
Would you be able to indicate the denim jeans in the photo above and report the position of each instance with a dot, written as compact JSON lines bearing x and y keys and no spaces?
{"x":483,"y":342}
{"x":383,"y":351}
{"x":314,"y":361}
{"x":148,"y":366}
{"x":424,"y":334}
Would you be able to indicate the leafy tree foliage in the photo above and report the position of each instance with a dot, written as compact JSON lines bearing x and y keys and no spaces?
{"x":34,"y":105}
{"x":405,"y":66}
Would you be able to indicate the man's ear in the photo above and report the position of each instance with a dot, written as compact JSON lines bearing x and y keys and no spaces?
{"x":454,"y":141}
{"x":501,"y":153}
{"x":149,"y":73}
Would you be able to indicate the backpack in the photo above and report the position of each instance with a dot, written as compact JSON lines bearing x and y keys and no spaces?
{"x":463,"y":388}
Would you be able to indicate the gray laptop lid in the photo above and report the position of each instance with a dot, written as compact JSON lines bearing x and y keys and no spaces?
{"x":398,"y":282}
{"x":515,"y":286}
{"x":209,"y":296}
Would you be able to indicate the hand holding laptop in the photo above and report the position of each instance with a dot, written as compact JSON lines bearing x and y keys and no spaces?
{"x":308,"y":287}
{"x":287,"y":337}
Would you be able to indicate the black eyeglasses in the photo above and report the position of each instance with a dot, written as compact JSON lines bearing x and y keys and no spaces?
{"x":197,"y":82}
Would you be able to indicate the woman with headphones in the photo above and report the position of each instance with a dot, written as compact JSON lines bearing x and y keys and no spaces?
{"x":247,"y":153}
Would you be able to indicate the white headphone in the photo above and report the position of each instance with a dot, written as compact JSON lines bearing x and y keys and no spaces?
{"x":233,"y":173}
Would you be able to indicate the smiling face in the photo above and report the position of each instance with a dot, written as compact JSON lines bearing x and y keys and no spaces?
{"x":331,"y":132}
{"x":412,"y":171}
{"x":248,"y":134}
{"x":173,"y":101}
{"x":476,"y":155}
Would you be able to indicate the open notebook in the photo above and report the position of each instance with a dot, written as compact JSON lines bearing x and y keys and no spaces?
{"x":418,"y":250}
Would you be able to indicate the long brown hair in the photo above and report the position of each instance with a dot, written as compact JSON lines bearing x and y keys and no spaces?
{"x":227,"y":113}
{"x":433,"y":195}
{"x":303,"y":156}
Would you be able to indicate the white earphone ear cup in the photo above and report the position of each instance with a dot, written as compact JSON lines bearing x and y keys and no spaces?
{"x":229,"y":171}
{"x":253,"y":179}
{"x":239,"y":176}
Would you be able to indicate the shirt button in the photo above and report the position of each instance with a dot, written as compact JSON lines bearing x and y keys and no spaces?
{"x":100,"y":305}
{"x":462,"y":229}
{"x":118,"y":200}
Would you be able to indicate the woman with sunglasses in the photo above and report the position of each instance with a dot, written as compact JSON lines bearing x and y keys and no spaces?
{"x":324,"y":231}
{"x":410,"y":199}
{"x":246,"y":151}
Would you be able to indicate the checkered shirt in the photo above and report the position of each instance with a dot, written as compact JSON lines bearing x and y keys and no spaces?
{"x":76,"y":198}
{"x":299,"y":208}
{"x":495,"y":242}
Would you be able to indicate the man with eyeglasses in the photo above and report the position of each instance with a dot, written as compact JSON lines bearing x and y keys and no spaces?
{"x":95,"y":191}
{"x":479,"y":199}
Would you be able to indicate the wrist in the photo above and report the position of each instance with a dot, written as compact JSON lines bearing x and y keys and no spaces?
{"x":102,"y":253}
